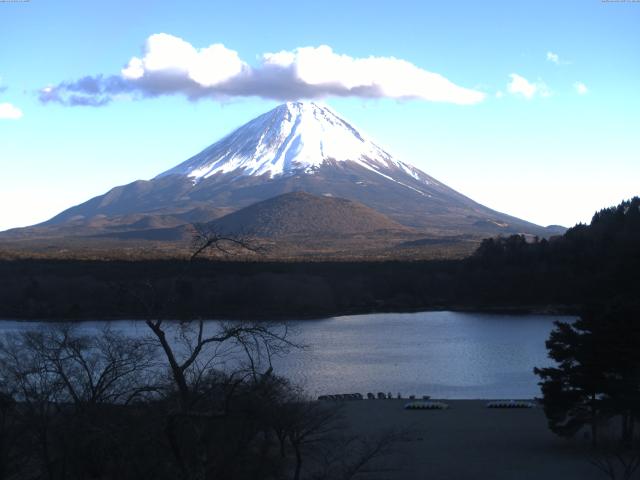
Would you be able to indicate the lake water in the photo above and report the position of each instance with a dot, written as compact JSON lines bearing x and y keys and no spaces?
{"x":442,"y":354}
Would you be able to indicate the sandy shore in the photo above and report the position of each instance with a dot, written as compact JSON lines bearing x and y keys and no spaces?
{"x":470,"y":441}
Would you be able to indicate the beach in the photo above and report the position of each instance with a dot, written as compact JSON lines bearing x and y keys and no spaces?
{"x":469,"y":440}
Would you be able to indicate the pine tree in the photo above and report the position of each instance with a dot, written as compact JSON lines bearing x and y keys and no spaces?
{"x":597,"y":376}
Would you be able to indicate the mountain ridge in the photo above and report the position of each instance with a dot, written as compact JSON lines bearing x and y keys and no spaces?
{"x":294,"y":147}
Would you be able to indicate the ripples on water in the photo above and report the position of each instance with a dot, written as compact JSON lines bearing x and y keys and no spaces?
{"x":442,"y":354}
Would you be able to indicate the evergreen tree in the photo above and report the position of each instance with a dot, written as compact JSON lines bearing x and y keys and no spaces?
{"x":597,"y":376}
{"x":573,"y":391}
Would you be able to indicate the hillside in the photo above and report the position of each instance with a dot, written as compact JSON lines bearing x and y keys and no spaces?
{"x":302,"y":214}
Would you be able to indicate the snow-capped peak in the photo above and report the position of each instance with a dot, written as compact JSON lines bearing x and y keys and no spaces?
{"x":293,"y":137}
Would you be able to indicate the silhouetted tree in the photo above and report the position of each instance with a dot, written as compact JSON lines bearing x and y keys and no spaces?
{"x":573,"y":391}
{"x":9,"y":433}
{"x":597,"y":375}
{"x":66,"y":386}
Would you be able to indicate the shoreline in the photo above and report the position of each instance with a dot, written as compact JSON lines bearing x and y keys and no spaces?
{"x":516,"y":310}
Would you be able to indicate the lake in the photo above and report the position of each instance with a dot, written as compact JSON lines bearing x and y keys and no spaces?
{"x":441,"y":354}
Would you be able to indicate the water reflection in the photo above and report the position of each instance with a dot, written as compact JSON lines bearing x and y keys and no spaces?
{"x":442,"y":354}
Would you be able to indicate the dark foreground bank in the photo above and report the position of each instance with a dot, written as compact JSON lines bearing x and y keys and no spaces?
{"x":469,"y":440}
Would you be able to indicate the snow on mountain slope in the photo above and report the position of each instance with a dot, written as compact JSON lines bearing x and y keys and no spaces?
{"x":295,"y":147}
{"x":294,"y":137}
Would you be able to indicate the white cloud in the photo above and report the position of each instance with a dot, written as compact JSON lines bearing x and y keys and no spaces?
{"x":522,"y":86}
{"x":327,"y":73}
{"x":169,"y":56}
{"x":170,"y":65}
{"x":581,"y":88}
{"x":553,"y":57}
{"x":9,"y":112}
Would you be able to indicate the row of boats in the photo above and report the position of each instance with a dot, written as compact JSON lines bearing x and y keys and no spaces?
{"x":370,"y":396}
{"x":425,"y":403}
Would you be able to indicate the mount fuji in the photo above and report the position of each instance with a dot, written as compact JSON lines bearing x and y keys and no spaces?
{"x":293,"y":138}
{"x":296,"y":147}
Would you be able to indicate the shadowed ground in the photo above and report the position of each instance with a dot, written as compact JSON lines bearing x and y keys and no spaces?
{"x":470,"y":441}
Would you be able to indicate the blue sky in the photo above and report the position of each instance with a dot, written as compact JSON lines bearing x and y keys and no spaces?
{"x":562,"y":143}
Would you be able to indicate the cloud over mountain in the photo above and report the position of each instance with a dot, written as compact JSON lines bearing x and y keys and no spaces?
{"x":172,"y":66}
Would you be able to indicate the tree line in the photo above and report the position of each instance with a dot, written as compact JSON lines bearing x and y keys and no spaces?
{"x":594,"y":386}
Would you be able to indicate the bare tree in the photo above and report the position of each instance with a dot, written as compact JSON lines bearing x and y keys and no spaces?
{"x":82,"y":369}
{"x":321,"y":447}
{"x":64,"y":384}
{"x":355,"y":456}
{"x":249,"y":344}
{"x":38,"y":391}
{"x":620,"y":464}
{"x":309,"y":423}
{"x":618,"y":460}
{"x":224,"y":358}
{"x":206,"y":238}
{"x":8,"y":432}
{"x":197,"y":349}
